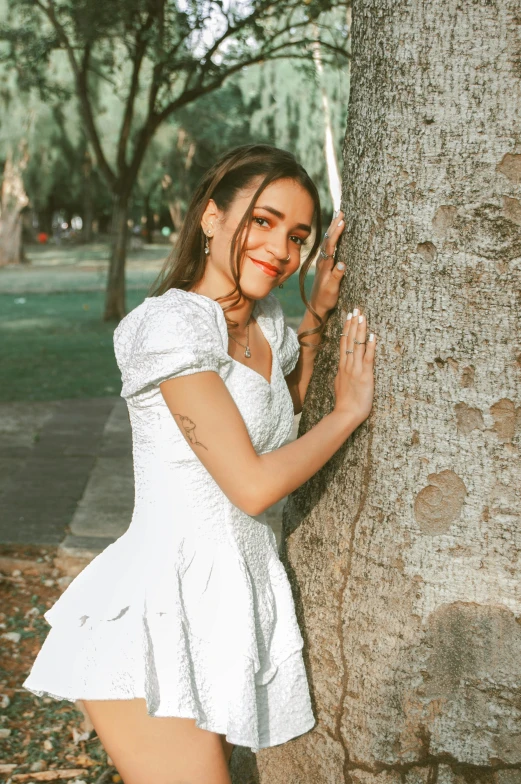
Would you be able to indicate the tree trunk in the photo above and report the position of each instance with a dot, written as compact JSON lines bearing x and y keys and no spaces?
{"x":88,"y":215}
{"x":404,"y":551}
{"x":175,"y":208}
{"x":115,"y":308}
{"x":13,"y":199}
{"x":149,"y":225}
{"x":10,"y":238}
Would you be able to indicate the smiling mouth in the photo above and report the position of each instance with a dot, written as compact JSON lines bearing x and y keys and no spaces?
{"x":268,"y":267}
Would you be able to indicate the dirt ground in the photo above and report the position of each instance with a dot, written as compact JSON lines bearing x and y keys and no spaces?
{"x":41,"y":739}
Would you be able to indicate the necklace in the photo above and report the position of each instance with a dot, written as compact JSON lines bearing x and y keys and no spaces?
{"x":247,"y":353}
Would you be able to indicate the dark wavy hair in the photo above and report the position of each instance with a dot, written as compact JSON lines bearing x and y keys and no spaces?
{"x":234,"y":171}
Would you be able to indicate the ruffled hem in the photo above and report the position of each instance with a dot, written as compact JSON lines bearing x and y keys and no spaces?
{"x":198,"y":636}
{"x":207,"y":591}
{"x":127,"y":659}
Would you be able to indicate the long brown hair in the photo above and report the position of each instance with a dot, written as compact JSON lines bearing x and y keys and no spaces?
{"x":234,"y":171}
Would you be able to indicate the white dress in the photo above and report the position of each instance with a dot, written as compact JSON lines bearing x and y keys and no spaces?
{"x":191,"y":608}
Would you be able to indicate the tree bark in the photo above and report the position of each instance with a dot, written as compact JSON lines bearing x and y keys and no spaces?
{"x":13,"y":199}
{"x":115,"y":308}
{"x":404,"y":551}
{"x":88,"y":215}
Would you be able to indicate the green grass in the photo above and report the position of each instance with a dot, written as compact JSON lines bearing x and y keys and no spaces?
{"x":55,"y":345}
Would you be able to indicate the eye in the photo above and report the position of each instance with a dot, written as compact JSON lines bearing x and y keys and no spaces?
{"x":261,"y":221}
{"x":298,"y":240}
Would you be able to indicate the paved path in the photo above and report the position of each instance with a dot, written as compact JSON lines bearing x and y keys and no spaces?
{"x":66,"y":474}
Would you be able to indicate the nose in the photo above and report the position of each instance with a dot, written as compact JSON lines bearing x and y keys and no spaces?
{"x":277,"y":245}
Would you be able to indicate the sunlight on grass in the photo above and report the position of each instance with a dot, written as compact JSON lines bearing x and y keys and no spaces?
{"x":28,"y":323}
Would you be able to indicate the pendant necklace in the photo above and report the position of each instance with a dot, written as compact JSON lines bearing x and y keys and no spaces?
{"x":247,"y":352}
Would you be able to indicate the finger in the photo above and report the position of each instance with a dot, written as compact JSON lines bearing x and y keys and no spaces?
{"x":359,"y":341}
{"x":335,"y":220}
{"x":370,"y":349}
{"x":344,"y":339}
{"x":333,"y":233}
{"x":350,"y":341}
{"x":335,"y":230}
{"x":338,"y":270}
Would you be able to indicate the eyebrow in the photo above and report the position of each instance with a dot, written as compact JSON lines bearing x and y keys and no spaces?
{"x":281,"y":215}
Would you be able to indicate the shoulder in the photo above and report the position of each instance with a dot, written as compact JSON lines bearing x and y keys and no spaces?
{"x":178,"y":331}
{"x":176,"y":312}
{"x":284,"y":336}
{"x":273,"y":313}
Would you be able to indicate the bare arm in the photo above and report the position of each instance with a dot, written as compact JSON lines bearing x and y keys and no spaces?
{"x":218,"y":435}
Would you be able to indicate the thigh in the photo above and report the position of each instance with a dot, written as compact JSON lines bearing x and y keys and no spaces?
{"x":228,"y":747}
{"x":145,"y":749}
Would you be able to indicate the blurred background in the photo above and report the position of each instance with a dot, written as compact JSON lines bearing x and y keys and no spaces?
{"x":108,"y":119}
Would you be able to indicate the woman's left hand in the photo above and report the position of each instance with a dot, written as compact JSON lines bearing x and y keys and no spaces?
{"x":328,"y":275}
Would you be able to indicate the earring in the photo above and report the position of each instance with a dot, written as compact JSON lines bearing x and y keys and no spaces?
{"x":208,"y":233}
{"x":281,"y":285}
{"x":289,"y":254}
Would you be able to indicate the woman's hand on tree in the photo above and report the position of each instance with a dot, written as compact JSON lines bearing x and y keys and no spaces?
{"x":354,"y":382}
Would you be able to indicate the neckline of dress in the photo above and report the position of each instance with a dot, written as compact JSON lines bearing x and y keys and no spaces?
{"x":260,"y":316}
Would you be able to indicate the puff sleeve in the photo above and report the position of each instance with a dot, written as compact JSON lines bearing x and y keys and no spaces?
{"x":290,"y":350}
{"x":286,"y":337}
{"x":176,"y":334}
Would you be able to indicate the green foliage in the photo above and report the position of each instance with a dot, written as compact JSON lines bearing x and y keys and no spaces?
{"x":284,"y":102}
{"x":154,"y":89}
{"x":180,"y":51}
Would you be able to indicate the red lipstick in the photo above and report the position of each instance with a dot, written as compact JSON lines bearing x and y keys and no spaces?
{"x":267,"y":268}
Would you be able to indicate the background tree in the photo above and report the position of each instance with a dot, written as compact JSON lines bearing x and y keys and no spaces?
{"x":189,"y":143}
{"x":180,"y":51}
{"x":58,"y":172}
{"x":404,"y":551}
{"x":285,"y":101}
{"x":13,"y":199}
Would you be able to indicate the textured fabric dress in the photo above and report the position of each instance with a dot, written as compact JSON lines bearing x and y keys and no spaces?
{"x":191,"y":608}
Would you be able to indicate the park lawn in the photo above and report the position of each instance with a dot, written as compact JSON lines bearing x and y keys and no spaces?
{"x":55,"y":346}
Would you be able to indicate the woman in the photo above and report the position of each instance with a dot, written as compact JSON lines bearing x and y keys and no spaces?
{"x":181,"y":638}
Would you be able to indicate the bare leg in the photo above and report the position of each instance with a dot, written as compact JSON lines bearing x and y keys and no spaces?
{"x":228,"y":748}
{"x":145,"y":749}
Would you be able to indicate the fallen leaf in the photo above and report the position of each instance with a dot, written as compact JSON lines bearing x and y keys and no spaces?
{"x":79,"y":736}
{"x":84,"y":759}
{"x":48,"y":775}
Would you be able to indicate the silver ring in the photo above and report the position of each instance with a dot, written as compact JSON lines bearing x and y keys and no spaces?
{"x":344,"y":333}
{"x":350,"y":351}
{"x":325,"y":255}
{"x":326,"y":235}
{"x":360,"y":342}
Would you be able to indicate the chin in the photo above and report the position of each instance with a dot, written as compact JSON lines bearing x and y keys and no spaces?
{"x":258,"y":290}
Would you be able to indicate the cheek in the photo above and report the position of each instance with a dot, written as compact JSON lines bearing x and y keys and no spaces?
{"x":293,"y":267}
{"x":254,"y":239}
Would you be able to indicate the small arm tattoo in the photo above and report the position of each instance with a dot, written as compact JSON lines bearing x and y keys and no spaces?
{"x":189,"y":430}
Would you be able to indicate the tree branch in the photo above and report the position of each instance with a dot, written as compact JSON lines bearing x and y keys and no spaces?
{"x":232,"y":30}
{"x":190,"y":94}
{"x":80,"y":75}
{"x":137,"y":61}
